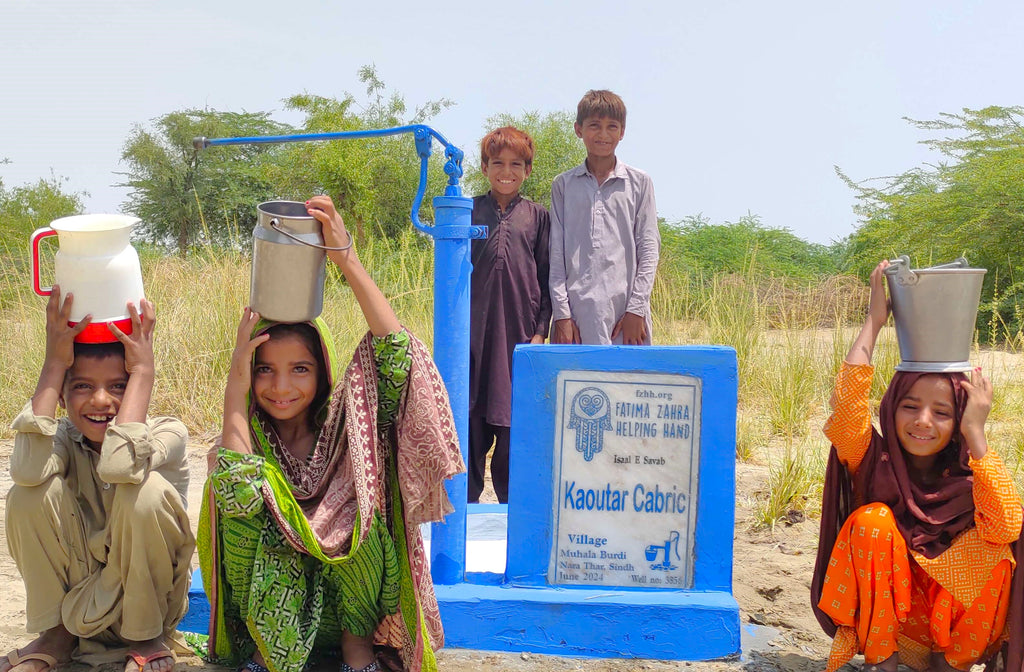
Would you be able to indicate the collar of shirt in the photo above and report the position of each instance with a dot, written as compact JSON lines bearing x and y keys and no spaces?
{"x":77,"y":438}
{"x":618,"y":171}
{"x":515,"y":199}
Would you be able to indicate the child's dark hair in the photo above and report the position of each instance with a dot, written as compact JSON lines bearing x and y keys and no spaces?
{"x":311,"y":339}
{"x":506,"y":137}
{"x":99,"y":350}
{"x":601,"y":103}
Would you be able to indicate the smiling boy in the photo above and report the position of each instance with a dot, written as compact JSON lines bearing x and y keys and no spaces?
{"x":509,"y":296}
{"x":96,"y":519}
{"x":604,"y":236}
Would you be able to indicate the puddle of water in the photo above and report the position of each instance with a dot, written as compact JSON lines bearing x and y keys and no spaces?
{"x":755,"y":638}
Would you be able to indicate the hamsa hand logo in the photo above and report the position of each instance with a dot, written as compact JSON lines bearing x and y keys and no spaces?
{"x":590,"y":415}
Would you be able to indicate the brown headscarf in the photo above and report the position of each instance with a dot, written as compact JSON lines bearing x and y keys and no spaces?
{"x":929,"y":516}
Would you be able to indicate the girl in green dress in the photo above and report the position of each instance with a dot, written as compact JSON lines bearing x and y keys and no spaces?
{"x":309,"y":534}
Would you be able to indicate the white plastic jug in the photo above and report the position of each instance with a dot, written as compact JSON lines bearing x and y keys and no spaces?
{"x":96,"y":263}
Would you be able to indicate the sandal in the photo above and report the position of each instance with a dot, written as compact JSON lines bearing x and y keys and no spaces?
{"x":141,"y":660}
{"x":16,"y":657}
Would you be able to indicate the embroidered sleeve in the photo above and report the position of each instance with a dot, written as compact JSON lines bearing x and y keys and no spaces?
{"x":849,"y":427}
{"x":236,"y":483}
{"x":391,"y":354}
{"x":997,"y":506}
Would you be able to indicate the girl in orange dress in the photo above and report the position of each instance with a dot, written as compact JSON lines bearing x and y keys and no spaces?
{"x":920,"y":521}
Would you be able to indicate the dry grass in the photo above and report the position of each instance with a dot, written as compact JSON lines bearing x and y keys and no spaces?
{"x":789,"y":344}
{"x":789,"y":340}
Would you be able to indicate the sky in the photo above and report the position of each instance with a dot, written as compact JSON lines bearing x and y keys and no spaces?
{"x":735,"y":107}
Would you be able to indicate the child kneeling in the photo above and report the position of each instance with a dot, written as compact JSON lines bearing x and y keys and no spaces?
{"x":96,"y":518}
{"x":920,"y":573}
{"x":309,"y":535}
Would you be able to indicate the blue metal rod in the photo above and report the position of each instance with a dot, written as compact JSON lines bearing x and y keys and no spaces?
{"x":201,"y":143}
{"x":422,"y":133}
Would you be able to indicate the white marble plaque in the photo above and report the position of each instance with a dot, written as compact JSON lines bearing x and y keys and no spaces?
{"x":626,"y":457}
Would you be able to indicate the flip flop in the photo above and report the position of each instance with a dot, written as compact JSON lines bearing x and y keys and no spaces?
{"x":141,"y":660}
{"x":16,"y":658}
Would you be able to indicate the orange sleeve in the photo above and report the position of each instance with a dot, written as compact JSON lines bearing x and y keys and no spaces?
{"x":849,"y":427}
{"x":997,"y":505}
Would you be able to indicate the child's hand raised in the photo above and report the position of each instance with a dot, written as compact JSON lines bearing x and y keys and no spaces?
{"x":979,"y":403}
{"x":332,"y":225}
{"x":138,"y":345}
{"x":240,"y":375}
{"x":878,"y":305}
{"x":863,"y":346}
{"x":60,"y":338}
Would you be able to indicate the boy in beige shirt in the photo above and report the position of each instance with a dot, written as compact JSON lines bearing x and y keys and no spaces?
{"x":96,"y":518}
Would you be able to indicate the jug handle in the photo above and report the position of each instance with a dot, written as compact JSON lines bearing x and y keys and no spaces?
{"x":37,"y":236}
{"x":274,"y":225}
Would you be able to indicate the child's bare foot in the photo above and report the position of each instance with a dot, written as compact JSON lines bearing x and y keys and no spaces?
{"x":890,"y":664}
{"x":151,"y":655}
{"x":50,"y":649}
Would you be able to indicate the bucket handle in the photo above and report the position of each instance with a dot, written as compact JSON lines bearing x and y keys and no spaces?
{"x":274,"y":225}
{"x":908,"y":278}
{"x":37,"y":237}
{"x":904,"y":276}
{"x":959,"y":262}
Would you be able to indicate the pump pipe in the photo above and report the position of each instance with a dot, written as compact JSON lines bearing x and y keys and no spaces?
{"x":452,"y":231}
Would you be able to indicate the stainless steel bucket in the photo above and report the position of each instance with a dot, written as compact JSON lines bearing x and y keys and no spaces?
{"x":934,"y":310}
{"x":288,"y":263}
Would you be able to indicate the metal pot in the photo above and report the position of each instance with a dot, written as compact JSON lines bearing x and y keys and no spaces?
{"x":934,"y":310}
{"x":288,"y":263}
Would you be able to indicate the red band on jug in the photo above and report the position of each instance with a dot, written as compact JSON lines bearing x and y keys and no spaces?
{"x":99,"y":332}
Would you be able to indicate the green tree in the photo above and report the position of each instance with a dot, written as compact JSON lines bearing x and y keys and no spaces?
{"x":971,"y":204}
{"x":185,"y":197}
{"x":695,"y":244}
{"x":372,"y":180}
{"x":556,"y":150}
{"x":25,"y":208}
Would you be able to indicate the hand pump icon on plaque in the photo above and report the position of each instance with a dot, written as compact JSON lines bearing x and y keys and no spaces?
{"x":671,"y":544}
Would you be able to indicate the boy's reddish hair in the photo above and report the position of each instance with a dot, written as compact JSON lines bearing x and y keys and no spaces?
{"x":601,"y":103}
{"x":506,"y":137}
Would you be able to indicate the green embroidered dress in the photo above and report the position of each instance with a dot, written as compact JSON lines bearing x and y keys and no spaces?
{"x":293,"y":552}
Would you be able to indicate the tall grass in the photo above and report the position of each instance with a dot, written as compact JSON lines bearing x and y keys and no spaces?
{"x":199,"y":301}
{"x":789,"y":338}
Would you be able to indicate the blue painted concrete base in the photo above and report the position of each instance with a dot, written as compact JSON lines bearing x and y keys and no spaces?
{"x":583,"y":622}
{"x":591,"y":623}
{"x":198,"y":617}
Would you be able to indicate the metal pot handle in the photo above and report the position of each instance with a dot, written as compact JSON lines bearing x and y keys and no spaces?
{"x":274,"y":225}
{"x":959,"y":262}
{"x":904,"y":276}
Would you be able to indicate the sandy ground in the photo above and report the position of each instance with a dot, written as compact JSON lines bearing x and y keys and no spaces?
{"x":771,"y":575}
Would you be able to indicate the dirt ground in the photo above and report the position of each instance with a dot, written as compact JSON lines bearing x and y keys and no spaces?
{"x":771,"y":578}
